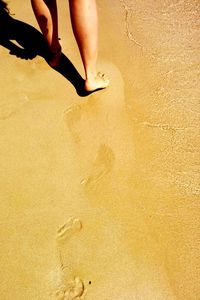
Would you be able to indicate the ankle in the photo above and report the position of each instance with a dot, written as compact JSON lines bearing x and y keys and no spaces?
{"x":91,"y":74}
{"x":55,"y":46}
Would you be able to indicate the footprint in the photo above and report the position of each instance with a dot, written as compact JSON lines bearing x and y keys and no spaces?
{"x":102,"y":166}
{"x":72,"y":226}
{"x":72,"y":115}
{"x":74,"y":289}
{"x":79,"y":118}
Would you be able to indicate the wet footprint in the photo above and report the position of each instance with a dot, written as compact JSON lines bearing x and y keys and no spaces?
{"x":72,"y":226}
{"x":103,"y":165}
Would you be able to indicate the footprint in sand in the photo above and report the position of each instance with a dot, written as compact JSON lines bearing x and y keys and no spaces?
{"x":75,"y":289}
{"x":80,"y":114}
{"x":71,"y":289}
{"x":72,"y":115}
{"x":103,"y":165}
{"x":72,"y":226}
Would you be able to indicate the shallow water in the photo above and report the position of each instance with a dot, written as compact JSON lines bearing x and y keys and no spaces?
{"x":99,"y":195}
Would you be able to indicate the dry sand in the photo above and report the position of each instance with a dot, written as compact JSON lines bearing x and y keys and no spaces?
{"x":100,"y":194}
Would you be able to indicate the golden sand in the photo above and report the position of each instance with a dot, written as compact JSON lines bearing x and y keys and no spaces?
{"x":100,"y":194}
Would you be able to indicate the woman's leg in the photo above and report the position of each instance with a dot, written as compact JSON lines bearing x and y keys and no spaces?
{"x":85,"y":26}
{"x":47,"y":17}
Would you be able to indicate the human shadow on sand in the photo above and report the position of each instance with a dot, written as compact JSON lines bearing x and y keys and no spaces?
{"x":26,"y":42}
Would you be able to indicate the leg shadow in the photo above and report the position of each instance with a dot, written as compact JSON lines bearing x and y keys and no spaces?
{"x":26,"y":42}
{"x":67,"y":69}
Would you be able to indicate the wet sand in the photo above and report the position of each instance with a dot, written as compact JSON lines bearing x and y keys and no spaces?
{"x":100,"y":194}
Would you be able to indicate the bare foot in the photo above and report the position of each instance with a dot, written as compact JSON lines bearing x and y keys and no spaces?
{"x":96,"y":83}
{"x":55,"y":56}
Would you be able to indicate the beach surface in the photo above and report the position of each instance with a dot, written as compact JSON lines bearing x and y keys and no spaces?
{"x":99,"y":194}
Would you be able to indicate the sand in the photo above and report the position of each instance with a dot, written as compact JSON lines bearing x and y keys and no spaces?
{"x":100,"y":194}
